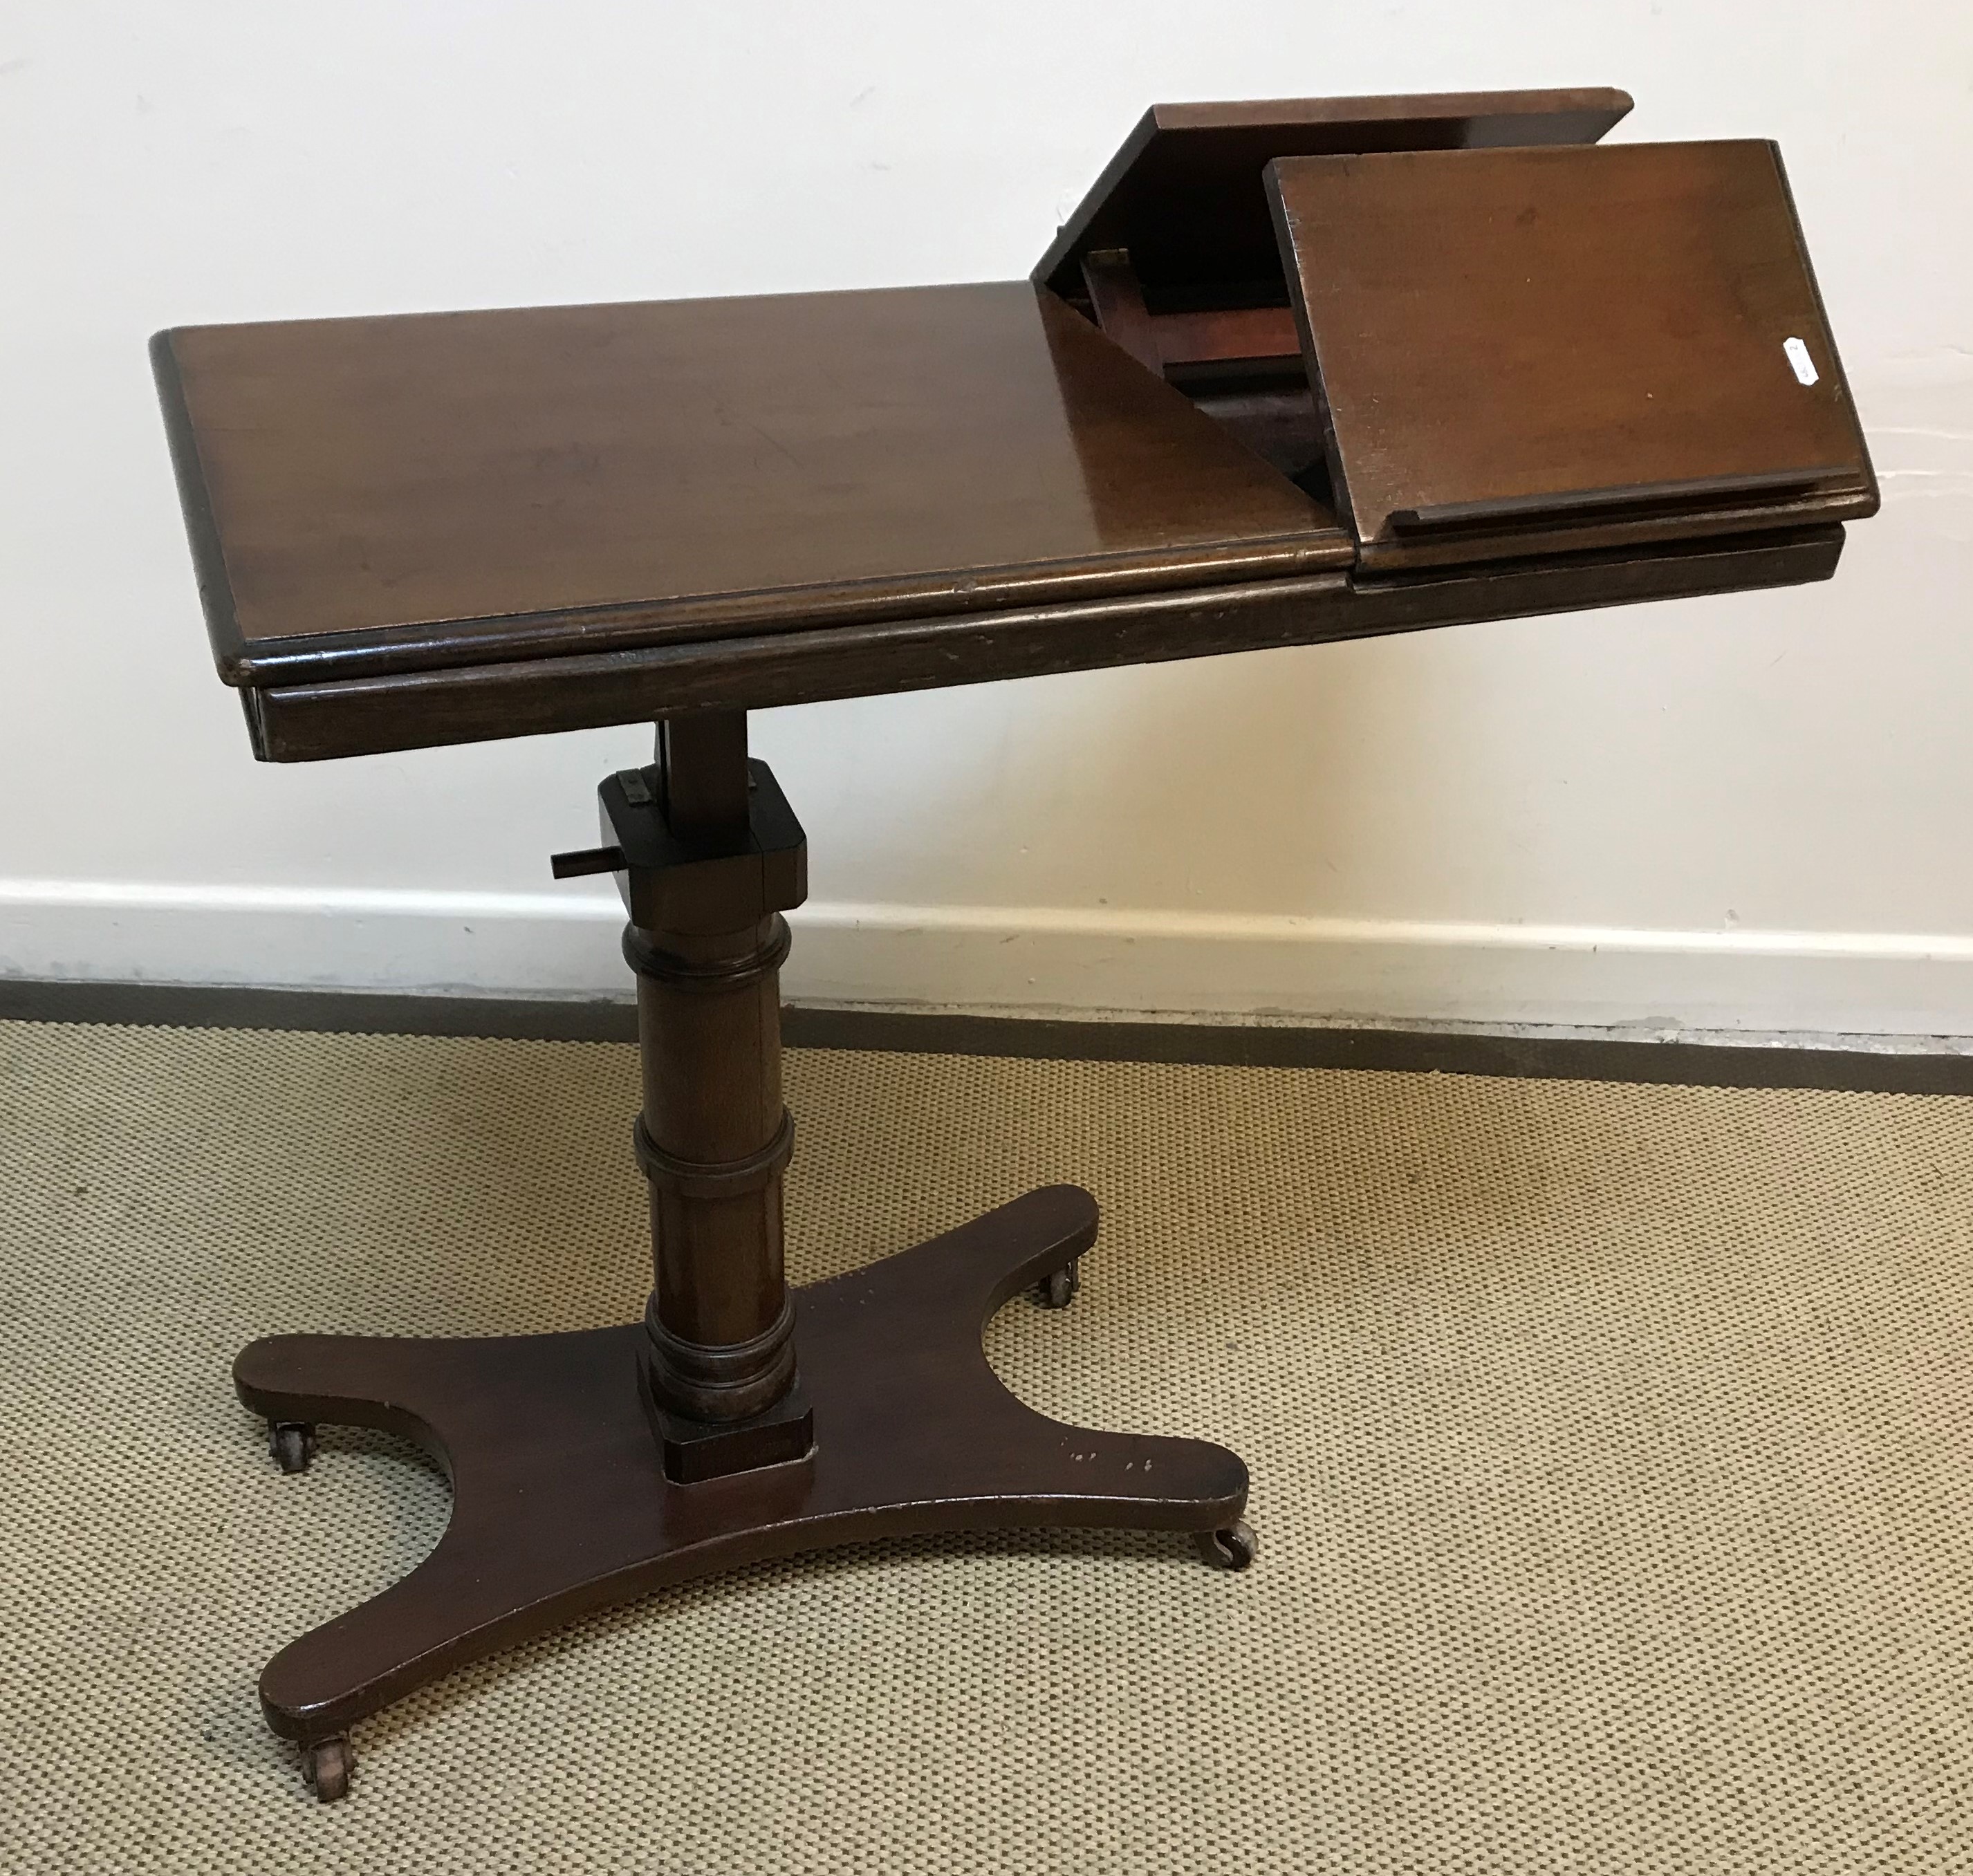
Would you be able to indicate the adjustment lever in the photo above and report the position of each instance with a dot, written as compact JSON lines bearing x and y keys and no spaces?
{"x":588,"y":859}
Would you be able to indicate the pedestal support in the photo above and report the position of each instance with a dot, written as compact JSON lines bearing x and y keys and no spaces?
{"x":740,"y":1419}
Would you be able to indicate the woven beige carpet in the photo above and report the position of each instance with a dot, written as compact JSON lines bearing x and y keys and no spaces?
{"x":1612,"y":1452}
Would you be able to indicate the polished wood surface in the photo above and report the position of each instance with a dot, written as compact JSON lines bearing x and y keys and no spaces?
{"x":561,"y":1505}
{"x":401,"y":493}
{"x":438,"y":528}
{"x":1183,"y":197}
{"x":1532,"y":351}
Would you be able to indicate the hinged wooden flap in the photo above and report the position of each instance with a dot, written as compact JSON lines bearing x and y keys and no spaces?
{"x":1183,"y":197}
{"x":1531,"y":350}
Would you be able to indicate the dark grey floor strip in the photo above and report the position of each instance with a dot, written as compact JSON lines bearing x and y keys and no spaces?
{"x":1577,"y":1058}
{"x":351,"y":1012}
{"x":1569,"y":1058}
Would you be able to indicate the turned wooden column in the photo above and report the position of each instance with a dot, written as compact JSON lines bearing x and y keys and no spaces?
{"x":712,"y":1140}
{"x":714,"y":1135}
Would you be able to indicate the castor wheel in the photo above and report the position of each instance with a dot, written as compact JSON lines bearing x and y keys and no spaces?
{"x":293,"y":1444}
{"x":326,"y":1767}
{"x":1057,"y":1290}
{"x":1233,"y":1548}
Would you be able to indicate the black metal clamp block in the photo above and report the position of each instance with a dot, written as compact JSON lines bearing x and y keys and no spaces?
{"x":670,"y":883}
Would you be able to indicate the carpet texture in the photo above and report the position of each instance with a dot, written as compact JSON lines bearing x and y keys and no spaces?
{"x":1612,"y":1451}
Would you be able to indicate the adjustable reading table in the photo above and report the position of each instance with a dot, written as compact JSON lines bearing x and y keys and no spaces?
{"x":1293,"y":372}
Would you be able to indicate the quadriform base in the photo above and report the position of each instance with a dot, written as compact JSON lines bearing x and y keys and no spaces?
{"x":741,"y":1419}
{"x":561,"y":1504}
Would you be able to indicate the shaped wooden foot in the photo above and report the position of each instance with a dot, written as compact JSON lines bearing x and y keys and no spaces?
{"x":562,"y":1505}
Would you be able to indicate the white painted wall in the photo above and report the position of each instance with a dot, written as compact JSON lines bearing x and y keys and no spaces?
{"x":1746,"y":811}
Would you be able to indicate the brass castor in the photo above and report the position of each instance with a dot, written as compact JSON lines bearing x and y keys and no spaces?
{"x":1057,"y":1290}
{"x":326,"y":1765}
{"x":1233,"y":1548}
{"x":293,"y":1444}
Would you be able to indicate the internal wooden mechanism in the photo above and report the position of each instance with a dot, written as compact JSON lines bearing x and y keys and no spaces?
{"x":1234,"y":350}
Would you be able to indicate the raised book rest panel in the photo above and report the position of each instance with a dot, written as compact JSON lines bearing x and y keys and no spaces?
{"x":1539,"y":351}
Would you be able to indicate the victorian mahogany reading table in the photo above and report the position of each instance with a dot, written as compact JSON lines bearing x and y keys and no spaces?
{"x":1293,"y":372}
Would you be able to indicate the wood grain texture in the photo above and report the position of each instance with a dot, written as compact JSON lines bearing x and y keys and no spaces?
{"x":1226,"y":332}
{"x":1531,"y":351}
{"x":399,"y":493}
{"x":1183,"y":194}
{"x":532,"y":697}
{"x":913,"y":1433}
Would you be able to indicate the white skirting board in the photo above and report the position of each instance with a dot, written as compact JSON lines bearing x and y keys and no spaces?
{"x":1017,"y":959}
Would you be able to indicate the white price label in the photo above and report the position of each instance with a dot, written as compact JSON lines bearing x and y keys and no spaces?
{"x":1798,"y":356}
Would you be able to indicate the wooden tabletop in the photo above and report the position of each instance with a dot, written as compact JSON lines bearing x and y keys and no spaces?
{"x":423,"y":530}
{"x":396,"y":494}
